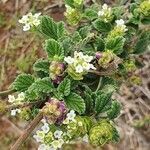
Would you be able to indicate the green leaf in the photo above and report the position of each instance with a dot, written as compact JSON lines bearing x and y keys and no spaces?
{"x":84,"y":31}
{"x":64,"y":87}
{"x":75,"y":102}
{"x":101,"y":26}
{"x":70,"y":3}
{"x":22,"y":82}
{"x":99,"y":43}
{"x":142,"y":43}
{"x":53,"y":48}
{"x":115,"y":44}
{"x":41,"y":65}
{"x":38,"y":88}
{"x":102,"y":102}
{"x":89,"y":101}
{"x":51,"y":29}
{"x":114,"y":111}
{"x":90,"y":14}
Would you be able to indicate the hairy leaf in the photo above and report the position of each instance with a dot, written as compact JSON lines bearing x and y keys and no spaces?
{"x":22,"y":82}
{"x":102,"y":102}
{"x":115,"y":44}
{"x":50,"y":28}
{"x":101,"y":26}
{"x":64,"y":87}
{"x":41,"y":65}
{"x":75,"y":102}
{"x":114,"y":111}
{"x":142,"y":43}
{"x":53,"y":48}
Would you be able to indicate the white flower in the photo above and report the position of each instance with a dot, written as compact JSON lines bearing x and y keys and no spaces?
{"x":105,"y":6}
{"x":100,"y":13}
{"x":120,"y":22}
{"x":57,"y":143}
{"x":69,"y":60}
{"x":71,"y":115}
{"x":15,"y":111}
{"x":11,"y":98}
{"x":85,"y":138}
{"x":43,"y":147}
{"x":88,"y":58}
{"x":58,"y":134}
{"x":37,"y":138}
{"x":78,"y":55}
{"x":30,"y":20}
{"x":79,"y":69}
{"x":45,"y":128}
{"x":26,"y":27}
{"x":21,"y":96}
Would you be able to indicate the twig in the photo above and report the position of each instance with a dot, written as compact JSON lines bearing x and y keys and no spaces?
{"x":7,"y":92}
{"x":27,"y":132}
{"x":102,"y":73}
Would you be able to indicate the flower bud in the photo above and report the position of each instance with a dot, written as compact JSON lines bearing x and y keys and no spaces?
{"x":106,"y":58}
{"x":102,"y":133}
{"x":55,"y":111}
{"x":145,"y":8}
{"x":80,"y":126}
{"x":56,"y":69}
{"x":98,"y":55}
{"x":25,"y":114}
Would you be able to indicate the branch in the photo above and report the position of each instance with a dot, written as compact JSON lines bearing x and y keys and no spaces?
{"x":101,"y":73}
{"x":27,"y":132}
{"x":7,"y":92}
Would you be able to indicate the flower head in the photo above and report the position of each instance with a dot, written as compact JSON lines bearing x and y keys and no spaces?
{"x":54,"y":111}
{"x":58,"y":134}
{"x":30,"y":20}
{"x":105,"y":13}
{"x":79,"y":65}
{"x":121,"y":25}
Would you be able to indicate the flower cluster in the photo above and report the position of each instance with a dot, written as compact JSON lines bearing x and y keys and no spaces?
{"x":105,"y":58}
{"x":105,"y":13}
{"x":102,"y":133}
{"x":145,"y":8}
{"x":20,"y":98}
{"x":49,"y":140}
{"x":79,"y":65}
{"x":72,"y":15}
{"x":56,"y":69}
{"x":30,"y":20}
{"x":73,"y":128}
{"x":54,"y":111}
{"x":119,"y":29}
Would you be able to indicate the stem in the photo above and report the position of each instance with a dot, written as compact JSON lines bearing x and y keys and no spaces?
{"x":99,"y":84}
{"x":27,"y":132}
{"x":102,"y":73}
{"x":7,"y":92}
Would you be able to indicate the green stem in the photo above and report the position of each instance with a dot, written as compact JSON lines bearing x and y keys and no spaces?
{"x":7,"y":92}
{"x":99,"y":84}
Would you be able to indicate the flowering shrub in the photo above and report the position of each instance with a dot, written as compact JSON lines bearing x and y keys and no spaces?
{"x":72,"y":88}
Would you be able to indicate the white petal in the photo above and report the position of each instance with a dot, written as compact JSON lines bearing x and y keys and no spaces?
{"x":13,"y":112}
{"x":69,"y":60}
{"x":100,"y":13}
{"x":105,"y":6}
{"x":26,"y":27}
{"x":42,"y":147}
{"x":79,"y":69}
{"x":45,"y":128}
{"x":11,"y":98}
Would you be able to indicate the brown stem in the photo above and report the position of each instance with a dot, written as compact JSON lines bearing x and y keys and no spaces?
{"x":102,"y":73}
{"x":27,"y":132}
{"x":5,"y":93}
